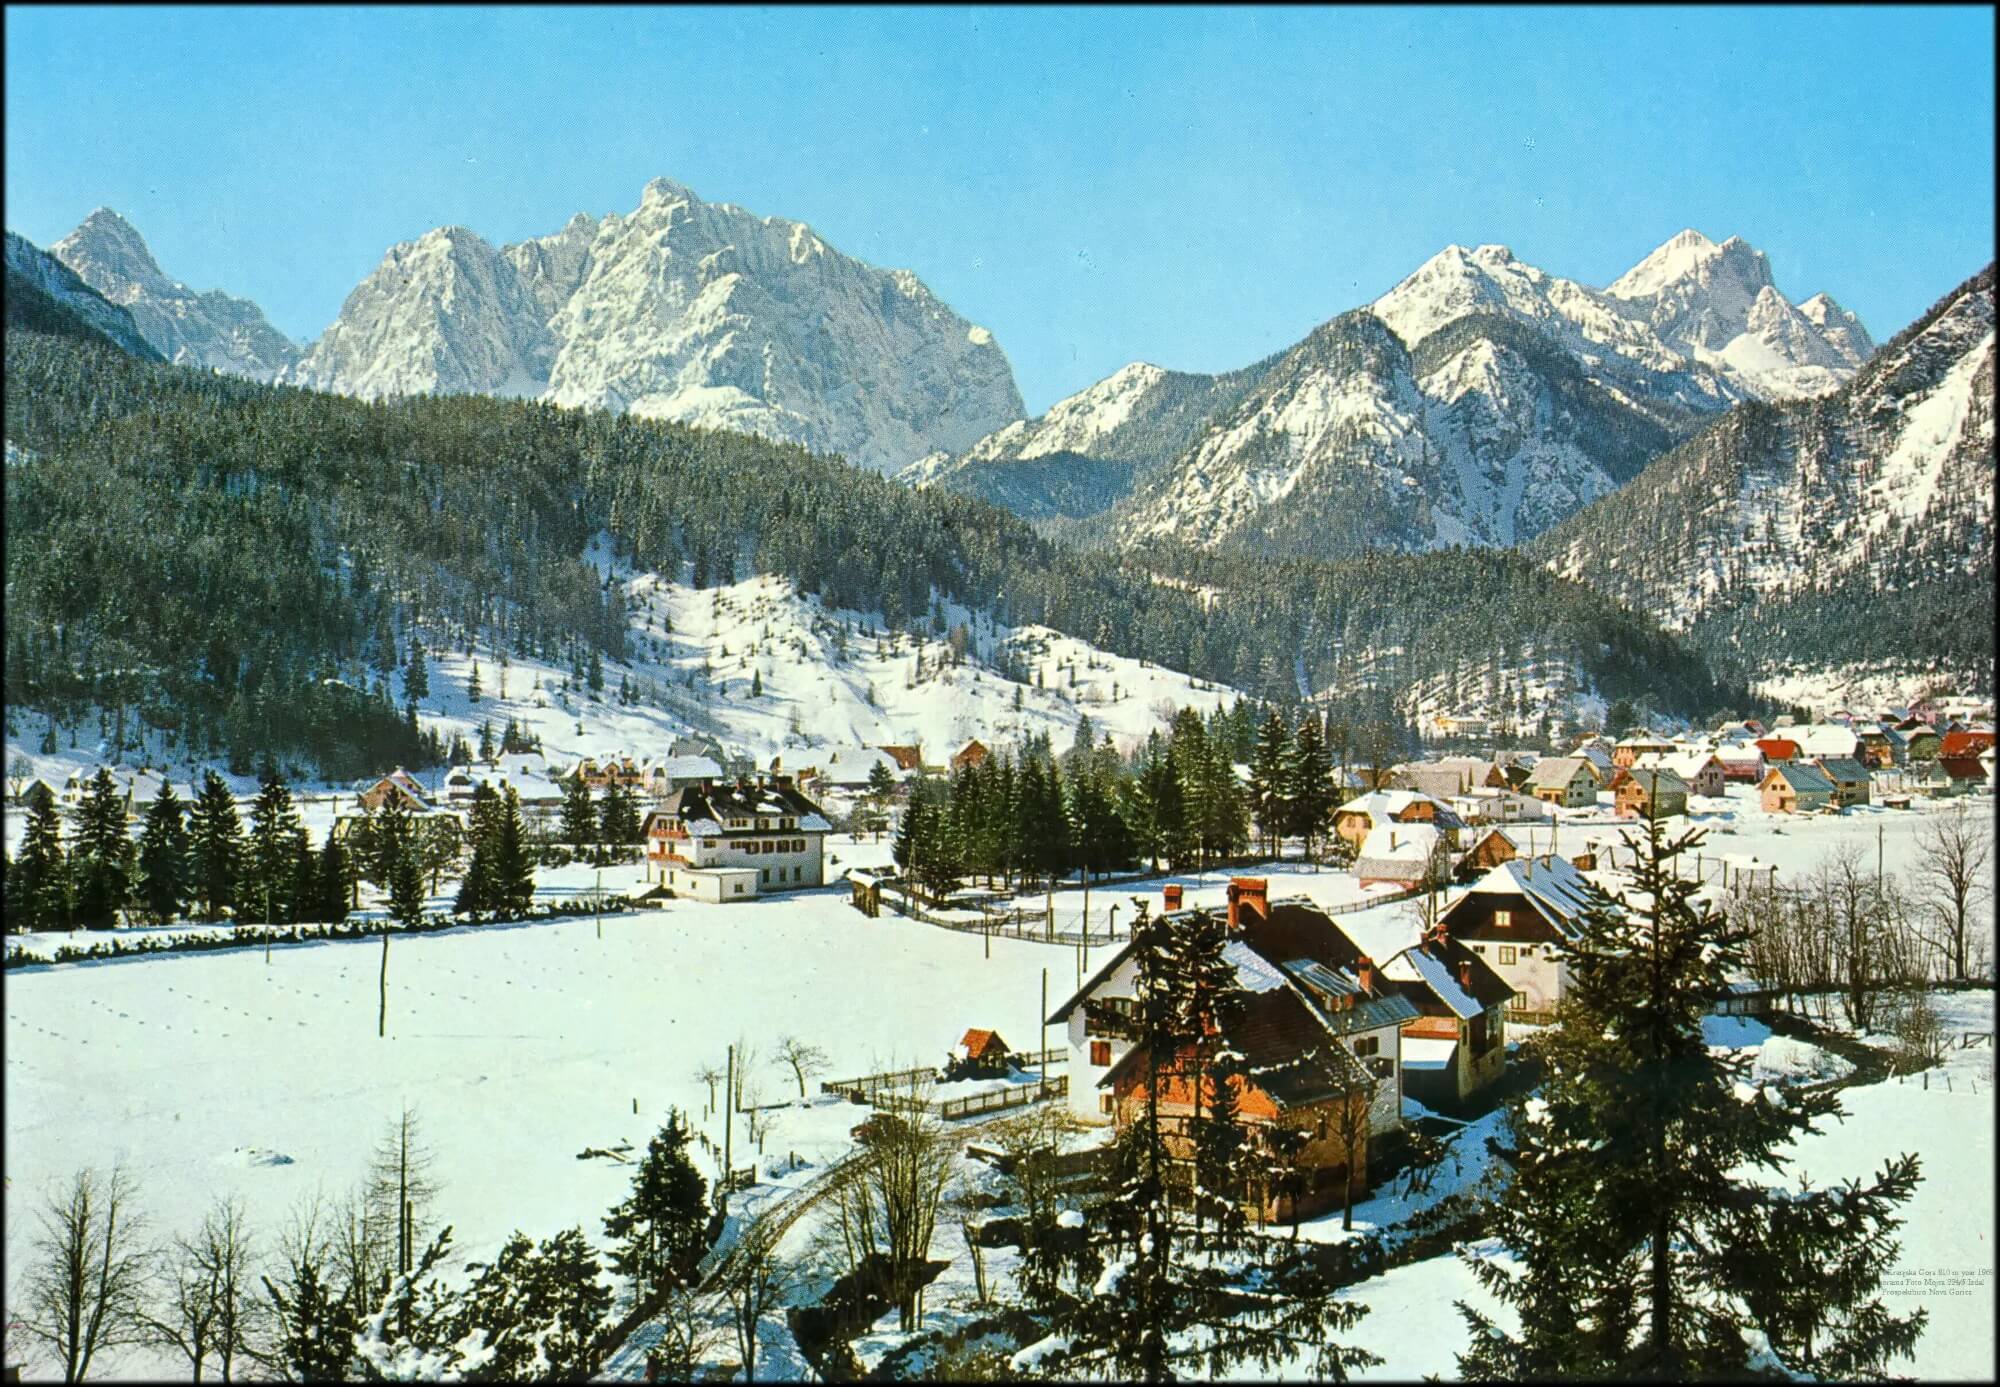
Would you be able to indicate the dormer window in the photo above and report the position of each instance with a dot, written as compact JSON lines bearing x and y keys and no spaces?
{"x":1502,"y":918}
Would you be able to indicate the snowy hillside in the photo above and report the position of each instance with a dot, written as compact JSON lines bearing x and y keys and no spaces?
{"x":829,"y":679}
{"x":1844,"y":531}
{"x":685,"y":310}
{"x":211,"y":329}
{"x":32,"y":271}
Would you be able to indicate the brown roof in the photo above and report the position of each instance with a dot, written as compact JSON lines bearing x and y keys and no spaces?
{"x":908,"y":758}
{"x":1962,"y":767}
{"x":977,"y":1044}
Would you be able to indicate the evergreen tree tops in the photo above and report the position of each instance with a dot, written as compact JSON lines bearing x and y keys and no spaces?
{"x":1648,"y":1239}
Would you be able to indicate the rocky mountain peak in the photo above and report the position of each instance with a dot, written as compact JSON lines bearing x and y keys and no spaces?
{"x":113,"y":248}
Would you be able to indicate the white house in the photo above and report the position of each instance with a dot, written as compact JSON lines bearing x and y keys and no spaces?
{"x":733,"y":841}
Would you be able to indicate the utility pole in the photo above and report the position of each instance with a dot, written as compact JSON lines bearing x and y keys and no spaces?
{"x":267,"y":924}
{"x":382,"y":1016}
{"x":1042,"y":1063}
{"x":728,"y":1123}
{"x":598,"y":904}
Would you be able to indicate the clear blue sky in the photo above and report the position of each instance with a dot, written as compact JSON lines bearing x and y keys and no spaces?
{"x":1195,"y":188}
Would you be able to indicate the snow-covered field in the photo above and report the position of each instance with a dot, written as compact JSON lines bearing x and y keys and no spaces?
{"x":212,"y":1074}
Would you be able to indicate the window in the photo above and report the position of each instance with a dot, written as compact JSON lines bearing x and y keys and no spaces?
{"x":1100,"y":1052}
{"x":1383,"y":1067}
{"x":739,"y":888}
{"x":1368,"y":1045}
{"x":1502,"y":918}
{"x":1506,"y":953}
{"x":765,"y":878}
{"x":1104,"y":1102}
{"x":753,"y":847}
{"x":798,"y":874}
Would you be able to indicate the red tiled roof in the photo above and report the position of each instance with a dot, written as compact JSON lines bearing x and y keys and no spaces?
{"x":1956,"y":744}
{"x":976,"y":1043}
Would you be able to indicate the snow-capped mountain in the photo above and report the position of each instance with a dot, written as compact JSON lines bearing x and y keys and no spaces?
{"x":443,"y":314}
{"x":1518,"y":397}
{"x":1089,"y":449}
{"x":186,"y":327}
{"x":684,"y":310}
{"x":37,"y":280}
{"x":1718,"y":305}
{"x":1849,"y":528}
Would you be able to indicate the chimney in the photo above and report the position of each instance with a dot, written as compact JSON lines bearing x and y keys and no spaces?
{"x":1465,"y":974}
{"x":1170,"y":898}
{"x":1364,"y":969}
{"x":1248,"y":894}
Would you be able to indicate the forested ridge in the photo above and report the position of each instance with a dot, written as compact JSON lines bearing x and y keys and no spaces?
{"x":239,"y":562}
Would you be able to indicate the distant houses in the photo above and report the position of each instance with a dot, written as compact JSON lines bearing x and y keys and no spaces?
{"x":1795,"y":787}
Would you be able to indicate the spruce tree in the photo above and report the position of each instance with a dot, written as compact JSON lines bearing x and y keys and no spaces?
{"x":1270,"y":782}
{"x":333,"y":882}
{"x":1207,"y":1002}
{"x":38,"y":892}
{"x":102,"y":861}
{"x":271,"y":868}
{"x":513,"y":876}
{"x":472,"y":690}
{"x":619,"y":815}
{"x":881,"y":784}
{"x":756,"y":683}
{"x":217,"y":847}
{"x":393,"y":842}
{"x":164,"y":857}
{"x":909,"y":833}
{"x":660,"y":1225}
{"x":416,"y":676}
{"x":579,"y":815}
{"x":486,"y":752}
{"x":596,"y":675}
{"x":1310,"y":780}
{"x":406,"y":888}
{"x":1647,"y":1241}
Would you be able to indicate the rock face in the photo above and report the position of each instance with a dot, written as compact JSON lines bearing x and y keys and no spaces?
{"x":1844,"y":529}
{"x":210,"y":329}
{"x":443,"y":314}
{"x":683,"y":310}
{"x":1503,"y":399}
{"x":45,"y":294}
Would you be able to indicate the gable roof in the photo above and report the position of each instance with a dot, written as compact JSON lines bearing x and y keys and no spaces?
{"x":1560,"y":893}
{"x":1803,"y":776}
{"x":703,"y":808}
{"x":1386,"y":804}
{"x":1653,"y":780}
{"x":1842,"y":768}
{"x":1556,"y":772}
{"x":977,"y":1043}
{"x":1963,"y":767}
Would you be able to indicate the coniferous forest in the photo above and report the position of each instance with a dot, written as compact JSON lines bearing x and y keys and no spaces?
{"x":243,"y":564}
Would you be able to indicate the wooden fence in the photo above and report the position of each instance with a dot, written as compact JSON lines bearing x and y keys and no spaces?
{"x":865,"y":1088}
{"x":973,"y":1105}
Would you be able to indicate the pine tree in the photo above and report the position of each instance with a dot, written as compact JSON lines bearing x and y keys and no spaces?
{"x":473,"y":692}
{"x":619,"y":814}
{"x":218,"y":847}
{"x":406,"y":887}
{"x":1310,"y":778}
{"x":1208,"y":1001}
{"x":756,"y":683}
{"x":163,"y":857}
{"x":660,"y":1225}
{"x":393,"y":842}
{"x":333,"y":882}
{"x":1270,"y":782}
{"x":416,"y":677}
{"x":579,"y":815}
{"x":881,"y":784}
{"x":102,"y":861}
{"x":596,"y":676}
{"x":1647,"y":1243}
{"x":904,"y":850}
{"x":513,"y":879}
{"x":38,"y":883}
{"x":486,"y":740}
{"x":269,"y":878}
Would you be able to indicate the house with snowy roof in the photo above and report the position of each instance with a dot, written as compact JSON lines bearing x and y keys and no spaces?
{"x":1648,"y":792}
{"x":1321,"y":1049}
{"x":1741,"y":762}
{"x":848,"y":768}
{"x":1513,"y":917}
{"x":1402,"y":854}
{"x":1630,"y":749}
{"x":1818,"y":739}
{"x":1568,"y":781}
{"x":1795,"y":787}
{"x":1355,"y":819}
{"x":1485,"y":805}
{"x":1699,"y":770}
{"x":724,"y":841}
{"x":1850,"y":779}
{"x":401,"y":784}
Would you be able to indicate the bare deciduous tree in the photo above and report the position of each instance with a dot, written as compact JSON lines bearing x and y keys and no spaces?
{"x":906,"y":1164}
{"x":760,"y":1284}
{"x":806,"y":1059}
{"x":207,"y":1308}
{"x":85,"y":1286}
{"x":1955,"y":849}
{"x":711,"y":1075}
{"x":689,"y":1334}
{"x":400,"y":1191}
